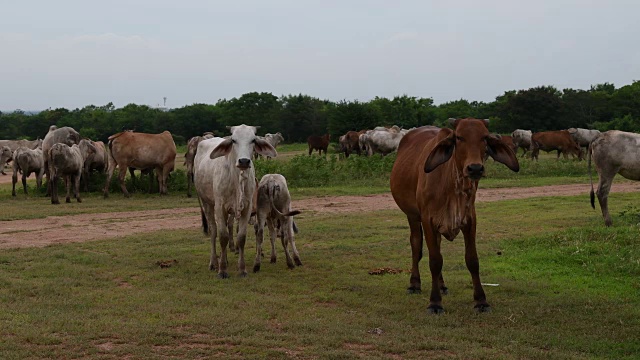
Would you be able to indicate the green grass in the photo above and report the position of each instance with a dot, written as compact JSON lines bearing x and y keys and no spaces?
{"x":568,"y":288}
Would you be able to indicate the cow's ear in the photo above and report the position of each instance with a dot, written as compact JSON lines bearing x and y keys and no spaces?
{"x":263,"y":148}
{"x":222,"y":149}
{"x":502,"y":153}
{"x":441,"y":153}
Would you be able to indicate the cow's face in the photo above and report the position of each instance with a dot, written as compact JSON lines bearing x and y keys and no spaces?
{"x":243,"y":141}
{"x":467,"y":143}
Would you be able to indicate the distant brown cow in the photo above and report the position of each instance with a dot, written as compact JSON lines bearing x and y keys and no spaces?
{"x":320,"y":143}
{"x":434,"y":181}
{"x":142,"y":151}
{"x":351,"y":143}
{"x":559,"y":140}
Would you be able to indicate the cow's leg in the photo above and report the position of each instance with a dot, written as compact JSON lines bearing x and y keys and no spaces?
{"x":416,"y":255}
{"x":67,"y":185}
{"x":54,"y":186}
{"x":232,"y":244}
{"x":292,"y":242}
{"x":221,"y":217}
{"x":39,"y":178}
{"x":76,"y":188}
{"x":85,"y":178}
{"x":259,"y":227}
{"x":243,"y":223}
{"x":435,"y":266}
{"x":604,"y":186}
{"x":133,"y":176}
{"x":285,"y":238}
{"x":122,"y":172}
{"x":272,"y":238}
{"x":110,"y":169}
{"x":471,"y":259}
{"x":14,"y":180}
{"x":310,"y":150}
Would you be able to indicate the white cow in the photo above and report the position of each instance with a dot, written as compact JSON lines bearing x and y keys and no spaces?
{"x":27,"y":161}
{"x":5,"y":156}
{"x":274,"y":209}
{"x":68,"y":162}
{"x":384,"y":141}
{"x":224,"y":179}
{"x":583,"y":137}
{"x":614,"y":152}
{"x":522,"y":139}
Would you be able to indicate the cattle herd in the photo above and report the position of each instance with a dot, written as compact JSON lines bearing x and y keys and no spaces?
{"x":433,"y":181}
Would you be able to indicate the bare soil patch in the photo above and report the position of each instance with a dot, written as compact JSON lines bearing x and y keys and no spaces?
{"x":87,"y":227}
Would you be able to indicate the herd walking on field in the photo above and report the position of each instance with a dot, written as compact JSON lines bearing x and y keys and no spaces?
{"x":433,"y":181}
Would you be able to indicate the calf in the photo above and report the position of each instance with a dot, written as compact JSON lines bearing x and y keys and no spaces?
{"x":27,"y":161}
{"x":68,"y":162}
{"x":434,"y":182}
{"x":320,"y":143}
{"x":65,"y":135}
{"x":224,"y":179}
{"x":613,"y":152}
{"x":274,"y":209}
{"x":97,"y":161}
{"x":559,"y":140}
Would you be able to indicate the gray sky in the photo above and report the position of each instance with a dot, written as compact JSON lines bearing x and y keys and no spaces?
{"x":74,"y":53}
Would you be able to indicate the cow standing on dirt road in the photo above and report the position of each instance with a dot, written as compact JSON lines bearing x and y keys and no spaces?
{"x":434,"y":182}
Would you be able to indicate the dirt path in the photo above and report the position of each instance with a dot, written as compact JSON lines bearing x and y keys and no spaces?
{"x":64,"y":229}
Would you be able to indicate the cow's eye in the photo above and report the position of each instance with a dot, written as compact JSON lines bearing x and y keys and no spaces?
{"x":233,"y":141}
{"x":254,"y":141}
{"x":459,"y":138}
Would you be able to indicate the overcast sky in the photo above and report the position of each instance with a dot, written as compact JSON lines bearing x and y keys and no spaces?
{"x":75,"y":53}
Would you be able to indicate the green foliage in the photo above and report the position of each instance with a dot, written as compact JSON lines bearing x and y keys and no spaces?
{"x":625,"y":123}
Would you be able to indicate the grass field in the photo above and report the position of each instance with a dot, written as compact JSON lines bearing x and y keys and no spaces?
{"x":567,"y":287}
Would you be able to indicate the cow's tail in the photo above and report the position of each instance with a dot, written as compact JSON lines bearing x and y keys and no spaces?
{"x":205,"y":223}
{"x":274,"y":190}
{"x":592,"y":194}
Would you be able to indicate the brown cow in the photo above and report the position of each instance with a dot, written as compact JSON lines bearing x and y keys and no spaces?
{"x":320,"y":143}
{"x":142,"y":151}
{"x":434,"y":182}
{"x":351,"y":143}
{"x":559,"y":140}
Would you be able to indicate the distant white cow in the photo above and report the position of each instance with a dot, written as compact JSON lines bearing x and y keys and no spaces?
{"x":27,"y":161}
{"x":384,"y":141}
{"x":224,"y":179}
{"x":274,"y":209}
{"x":5,"y":156}
{"x":68,"y":161}
{"x":613,"y":152}
{"x":274,"y":139}
{"x":522,"y":139}
{"x":583,"y":137}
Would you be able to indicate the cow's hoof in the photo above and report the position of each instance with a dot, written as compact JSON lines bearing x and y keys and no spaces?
{"x":256,"y":268}
{"x":55,"y":202}
{"x":243,"y":274}
{"x":444,"y":290}
{"x":298,"y":262}
{"x":188,"y":195}
{"x":273,"y":260}
{"x":291,"y":266}
{"x":414,"y":290}
{"x":127,"y":195}
{"x":212,"y":267}
{"x":435,"y":310}
{"x":223,"y":275}
{"x":67,"y":200}
{"x":482,"y":308}
{"x":79,"y":200}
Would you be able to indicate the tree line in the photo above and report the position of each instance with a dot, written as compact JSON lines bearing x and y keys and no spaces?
{"x":602,"y":107}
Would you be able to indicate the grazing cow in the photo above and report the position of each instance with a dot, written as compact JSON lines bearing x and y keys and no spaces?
{"x":383,"y":141}
{"x":224,"y":179}
{"x":350,"y":143}
{"x":434,"y":182}
{"x":5,"y":156}
{"x":64,"y":135}
{"x":97,"y":161}
{"x":141,"y":151}
{"x":320,"y":143}
{"x":27,"y":161}
{"x":68,"y":162}
{"x":522,"y":140}
{"x":559,"y":140}
{"x":613,"y":152}
{"x":190,"y":155}
{"x":583,"y":137}
{"x":274,"y":209}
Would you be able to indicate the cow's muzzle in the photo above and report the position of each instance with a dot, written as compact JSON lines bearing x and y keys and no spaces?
{"x":475,"y":171}
{"x":244,"y":163}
